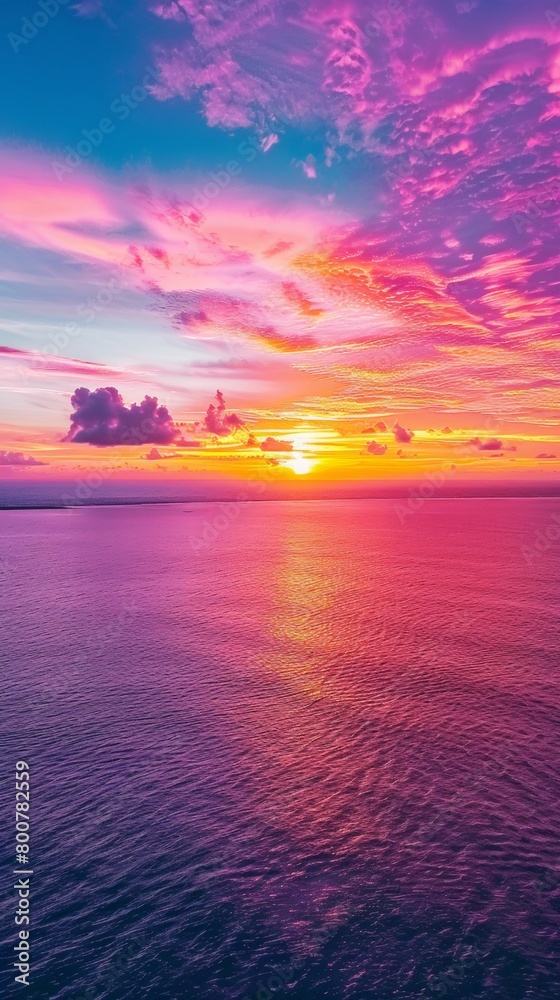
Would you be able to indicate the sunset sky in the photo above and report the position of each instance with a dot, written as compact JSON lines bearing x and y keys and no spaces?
{"x":323,"y":236}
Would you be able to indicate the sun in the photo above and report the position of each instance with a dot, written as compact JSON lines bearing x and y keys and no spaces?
{"x":299,"y":464}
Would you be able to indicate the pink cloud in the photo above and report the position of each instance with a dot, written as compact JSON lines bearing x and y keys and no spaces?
{"x":309,"y":167}
{"x":402,"y":435}
{"x":376,"y":449}
{"x":274,"y":444}
{"x":51,"y":364}
{"x":218,"y":421}
{"x":15,"y":458}
{"x":311,"y":302}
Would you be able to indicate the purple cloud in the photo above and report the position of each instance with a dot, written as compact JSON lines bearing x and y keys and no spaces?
{"x":492,"y":444}
{"x":101,"y":418}
{"x":18,"y":458}
{"x":218,"y":421}
{"x":543,"y":454}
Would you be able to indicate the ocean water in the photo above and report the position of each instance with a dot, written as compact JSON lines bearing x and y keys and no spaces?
{"x":296,"y":750}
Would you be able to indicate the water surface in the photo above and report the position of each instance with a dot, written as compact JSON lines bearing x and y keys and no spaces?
{"x":310,"y":738}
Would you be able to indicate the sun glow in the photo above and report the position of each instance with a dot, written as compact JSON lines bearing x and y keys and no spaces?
{"x":299,"y":464}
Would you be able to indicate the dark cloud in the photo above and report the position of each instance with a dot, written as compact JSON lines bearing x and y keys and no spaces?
{"x":543,"y":454}
{"x":402,"y":435}
{"x":376,"y":449}
{"x":18,"y":458}
{"x":218,"y":421}
{"x":492,"y":444}
{"x":273,"y":444}
{"x":100,"y":418}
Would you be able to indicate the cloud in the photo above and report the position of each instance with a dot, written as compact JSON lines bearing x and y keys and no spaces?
{"x":543,"y":454}
{"x":381,"y":426}
{"x":313,"y":281}
{"x":18,"y":458}
{"x":309,"y":166}
{"x":90,"y":8}
{"x":268,"y":142}
{"x":273,"y":444}
{"x":376,"y":449}
{"x":219,"y":421}
{"x":402,"y":435}
{"x":155,"y":456}
{"x":492,"y":444}
{"x":55,"y":365}
{"x":101,"y":418}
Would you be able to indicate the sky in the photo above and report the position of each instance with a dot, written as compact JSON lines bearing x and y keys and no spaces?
{"x":253,"y":237}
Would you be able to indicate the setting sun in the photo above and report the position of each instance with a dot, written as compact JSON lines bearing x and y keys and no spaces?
{"x":300,"y":465}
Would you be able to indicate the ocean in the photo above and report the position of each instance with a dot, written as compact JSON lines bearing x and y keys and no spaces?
{"x":299,"y":750}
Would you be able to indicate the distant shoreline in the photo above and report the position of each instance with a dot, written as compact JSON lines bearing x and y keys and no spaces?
{"x":222,"y":500}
